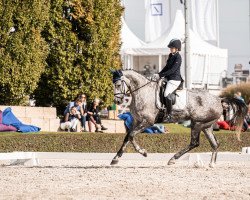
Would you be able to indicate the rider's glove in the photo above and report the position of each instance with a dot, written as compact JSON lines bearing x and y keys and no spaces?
{"x":156,"y":77}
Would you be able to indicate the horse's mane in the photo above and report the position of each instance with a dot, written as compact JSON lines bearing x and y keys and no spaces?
{"x":134,"y":74}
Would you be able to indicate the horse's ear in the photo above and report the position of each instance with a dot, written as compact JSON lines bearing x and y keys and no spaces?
{"x":120,"y":72}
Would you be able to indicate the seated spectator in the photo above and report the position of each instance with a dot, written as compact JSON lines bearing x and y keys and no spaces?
{"x":223,"y":124}
{"x":238,"y":96}
{"x":77,"y":103}
{"x":245,"y":123}
{"x":84,"y":111}
{"x":71,"y":120}
{"x":224,"y":121}
{"x":94,"y":116}
{"x":156,"y":128}
{"x":248,"y":113}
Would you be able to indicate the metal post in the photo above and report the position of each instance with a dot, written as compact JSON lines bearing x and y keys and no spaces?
{"x":160,"y":62}
{"x":187,"y":45}
{"x":217,"y":24}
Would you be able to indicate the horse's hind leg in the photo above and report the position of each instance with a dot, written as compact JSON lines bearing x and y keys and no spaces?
{"x":195,"y":142}
{"x":214,"y":144}
{"x":137,"y":147}
{"x":121,"y":150}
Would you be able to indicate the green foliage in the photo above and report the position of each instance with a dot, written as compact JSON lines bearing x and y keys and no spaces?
{"x":244,"y":88}
{"x":84,"y":40}
{"x":103,"y":142}
{"x":22,"y":49}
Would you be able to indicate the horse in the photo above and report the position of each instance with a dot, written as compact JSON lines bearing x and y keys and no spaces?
{"x":202,"y":108}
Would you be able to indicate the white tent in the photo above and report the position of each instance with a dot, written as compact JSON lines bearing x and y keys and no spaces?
{"x":129,"y":41}
{"x":207,"y":61}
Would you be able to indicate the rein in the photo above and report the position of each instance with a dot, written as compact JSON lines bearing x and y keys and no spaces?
{"x":141,"y":87}
{"x":150,"y":81}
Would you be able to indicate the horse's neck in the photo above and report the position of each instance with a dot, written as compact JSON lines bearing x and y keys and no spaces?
{"x":136,"y":80}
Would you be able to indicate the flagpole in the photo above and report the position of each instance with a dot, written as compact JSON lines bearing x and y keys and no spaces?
{"x":217,"y":24}
{"x":187,"y":45}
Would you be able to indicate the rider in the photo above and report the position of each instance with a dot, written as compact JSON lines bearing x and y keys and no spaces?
{"x":171,"y":72}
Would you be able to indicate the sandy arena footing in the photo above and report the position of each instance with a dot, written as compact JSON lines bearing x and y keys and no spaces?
{"x":89,"y":176}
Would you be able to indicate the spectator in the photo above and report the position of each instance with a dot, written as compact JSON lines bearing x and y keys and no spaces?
{"x":71,"y":120}
{"x":248,"y":114}
{"x":238,"y":96}
{"x":77,"y":103}
{"x":225,"y":120}
{"x":94,"y":116}
{"x":156,"y":128}
{"x":84,"y":111}
{"x":223,"y":124}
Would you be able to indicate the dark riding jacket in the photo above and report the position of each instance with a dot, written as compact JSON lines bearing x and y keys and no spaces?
{"x":172,"y":70}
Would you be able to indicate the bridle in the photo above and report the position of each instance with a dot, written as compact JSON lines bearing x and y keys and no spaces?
{"x":123,"y":90}
{"x":128,"y":92}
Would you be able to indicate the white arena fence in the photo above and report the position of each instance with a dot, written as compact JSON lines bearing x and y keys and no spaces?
{"x":33,"y":158}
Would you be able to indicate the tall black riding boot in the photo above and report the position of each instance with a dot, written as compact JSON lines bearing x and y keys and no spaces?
{"x":168,"y":103}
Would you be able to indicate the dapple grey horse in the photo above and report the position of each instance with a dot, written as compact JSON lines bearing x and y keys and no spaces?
{"x":202,"y":108}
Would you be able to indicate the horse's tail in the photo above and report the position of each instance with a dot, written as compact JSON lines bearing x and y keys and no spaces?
{"x":239,"y":113}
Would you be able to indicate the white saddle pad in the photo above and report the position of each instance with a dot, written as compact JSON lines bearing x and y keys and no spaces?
{"x":181,"y":99}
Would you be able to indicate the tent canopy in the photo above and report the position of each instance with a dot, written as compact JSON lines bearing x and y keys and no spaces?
{"x":129,"y":39}
{"x":207,"y":62}
{"x":159,"y":46}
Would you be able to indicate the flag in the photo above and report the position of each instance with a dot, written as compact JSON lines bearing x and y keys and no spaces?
{"x":204,"y":19}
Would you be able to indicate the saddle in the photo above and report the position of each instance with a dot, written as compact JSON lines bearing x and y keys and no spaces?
{"x":160,"y":102}
{"x":173,"y":95}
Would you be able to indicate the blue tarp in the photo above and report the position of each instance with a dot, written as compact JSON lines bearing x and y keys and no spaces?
{"x":127,"y":118}
{"x":128,"y":121}
{"x":153,"y":129}
{"x":10,"y":119}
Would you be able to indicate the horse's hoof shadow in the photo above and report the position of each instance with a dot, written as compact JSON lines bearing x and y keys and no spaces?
{"x":211,"y":165}
{"x":114,"y":162}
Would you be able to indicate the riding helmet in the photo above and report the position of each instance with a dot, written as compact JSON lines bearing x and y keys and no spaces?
{"x":175,"y":43}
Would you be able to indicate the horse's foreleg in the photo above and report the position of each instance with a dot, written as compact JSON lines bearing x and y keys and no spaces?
{"x":214,"y":144}
{"x":137,"y":147}
{"x":121,"y":150}
{"x":195,"y":142}
{"x":139,"y":129}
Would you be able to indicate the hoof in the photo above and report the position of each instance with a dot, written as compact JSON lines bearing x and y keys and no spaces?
{"x":211,"y":165}
{"x":145,"y":154}
{"x":114,"y":162}
{"x":171,"y":161}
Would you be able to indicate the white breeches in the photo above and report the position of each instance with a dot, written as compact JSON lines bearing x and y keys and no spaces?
{"x":74,"y":123}
{"x":70,"y":124}
{"x":172,"y":85}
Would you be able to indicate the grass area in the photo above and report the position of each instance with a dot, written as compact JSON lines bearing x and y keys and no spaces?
{"x":178,"y":138}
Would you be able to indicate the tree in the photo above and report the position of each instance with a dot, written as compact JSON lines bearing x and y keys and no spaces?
{"x":84,"y":40}
{"x":23,"y":51}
